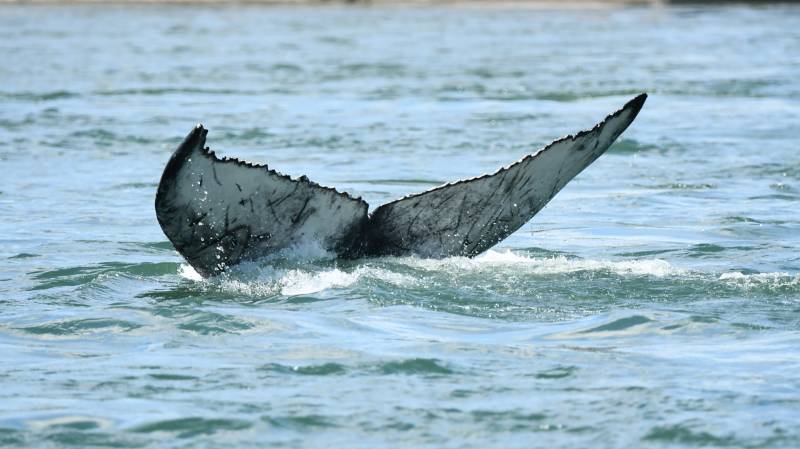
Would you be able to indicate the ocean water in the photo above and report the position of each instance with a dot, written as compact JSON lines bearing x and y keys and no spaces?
{"x":655,"y":302}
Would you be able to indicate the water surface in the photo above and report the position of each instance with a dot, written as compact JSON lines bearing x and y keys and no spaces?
{"x":653,"y":303}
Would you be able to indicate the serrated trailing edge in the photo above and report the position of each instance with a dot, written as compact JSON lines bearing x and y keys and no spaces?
{"x":635,"y":104}
{"x":207,"y":151}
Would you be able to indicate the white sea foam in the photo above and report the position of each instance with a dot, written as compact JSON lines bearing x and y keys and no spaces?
{"x":299,"y":282}
{"x":258,"y":279}
{"x":253,"y":280}
{"x":777,"y":279}
{"x":561,"y":264}
{"x":493,"y":260}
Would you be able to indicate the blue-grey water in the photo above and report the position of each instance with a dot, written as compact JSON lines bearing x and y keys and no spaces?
{"x":655,"y":302}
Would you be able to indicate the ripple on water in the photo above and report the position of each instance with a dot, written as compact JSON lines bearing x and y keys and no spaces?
{"x":210,"y":323}
{"x":514,"y":420}
{"x":24,"y":256}
{"x":69,"y":431}
{"x":684,"y":434}
{"x":81,"y":326}
{"x":192,"y":426}
{"x":172,"y":377}
{"x":416,"y":366}
{"x":620,"y":324}
{"x":250,"y":135}
{"x":85,"y":275}
{"x":11,"y":437}
{"x":632,"y":146}
{"x":324,"y":369}
{"x":75,"y":438}
{"x":39,"y":96}
{"x":300,"y":422}
{"x":683,"y":186}
{"x":162,"y":91}
{"x":559,"y":372}
{"x":370,"y":70}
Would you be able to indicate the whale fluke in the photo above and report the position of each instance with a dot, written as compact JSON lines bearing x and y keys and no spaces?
{"x":218,"y":212}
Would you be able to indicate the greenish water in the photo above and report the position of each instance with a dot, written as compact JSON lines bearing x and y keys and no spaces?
{"x":654,"y":303}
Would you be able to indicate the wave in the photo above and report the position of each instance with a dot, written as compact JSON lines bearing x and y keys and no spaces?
{"x":492,"y":260}
{"x":91,"y":274}
{"x":270,"y":281}
{"x":39,"y":96}
{"x":193,"y":426}
{"x":772,"y":281}
{"x":80,"y":326}
{"x":524,"y":277}
{"x":158,"y":91}
{"x":306,"y":272}
{"x":413,"y":366}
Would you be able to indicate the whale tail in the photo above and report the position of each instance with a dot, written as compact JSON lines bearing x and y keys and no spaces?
{"x":217,"y":212}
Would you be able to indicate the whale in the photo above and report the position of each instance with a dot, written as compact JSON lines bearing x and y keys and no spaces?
{"x":218,"y":212}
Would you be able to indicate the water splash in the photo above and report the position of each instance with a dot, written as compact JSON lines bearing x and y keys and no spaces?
{"x":774,"y":280}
